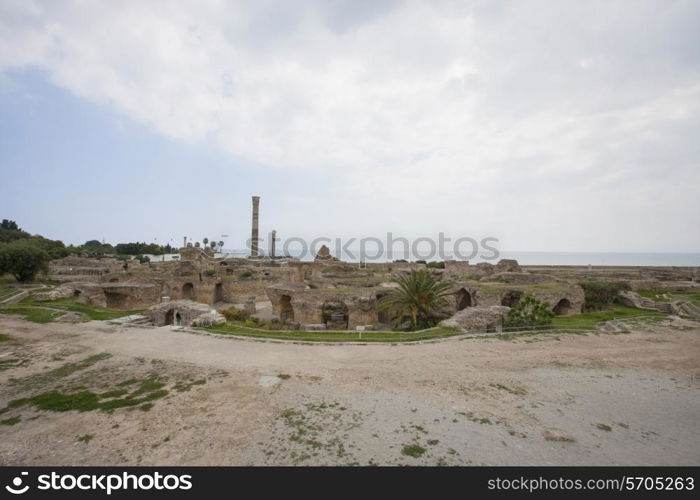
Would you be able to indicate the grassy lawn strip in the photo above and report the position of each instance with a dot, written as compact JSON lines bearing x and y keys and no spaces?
{"x":331,"y":336}
{"x":47,"y":311}
{"x":7,"y":292}
{"x":34,"y":314}
{"x":666,"y":296}
{"x":591,"y":319}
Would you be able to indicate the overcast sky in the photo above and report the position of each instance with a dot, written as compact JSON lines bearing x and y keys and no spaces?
{"x":551,"y":125}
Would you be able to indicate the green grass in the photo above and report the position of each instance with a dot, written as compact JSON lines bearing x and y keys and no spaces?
{"x":667,"y":296}
{"x":5,"y":338}
{"x":8,"y":291}
{"x":149,"y":390}
{"x":334,"y":336}
{"x":591,"y":319}
{"x":33,"y":314}
{"x":11,"y":421}
{"x":48,"y":311}
{"x":60,"y":372}
{"x":413,"y":450}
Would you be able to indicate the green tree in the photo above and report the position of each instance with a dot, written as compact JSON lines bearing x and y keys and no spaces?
{"x":23,"y":261}
{"x":600,"y":293}
{"x":529,"y":312}
{"x":9,"y":224}
{"x":418,"y":298}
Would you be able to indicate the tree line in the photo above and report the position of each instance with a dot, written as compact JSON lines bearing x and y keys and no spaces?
{"x":24,"y":255}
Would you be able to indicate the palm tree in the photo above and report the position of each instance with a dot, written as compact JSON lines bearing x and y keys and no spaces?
{"x":418,"y":298}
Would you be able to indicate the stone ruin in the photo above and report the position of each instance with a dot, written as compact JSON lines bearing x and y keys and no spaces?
{"x":183,"y":313}
{"x":326,"y":293}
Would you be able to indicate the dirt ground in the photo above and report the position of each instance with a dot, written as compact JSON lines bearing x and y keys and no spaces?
{"x":596,"y":399}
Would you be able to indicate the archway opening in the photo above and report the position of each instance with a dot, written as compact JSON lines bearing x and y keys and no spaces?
{"x":170,"y":317}
{"x":116,"y":300}
{"x":286,"y":309}
{"x":383,"y":317}
{"x":218,"y":293}
{"x":562,"y":308}
{"x":511,"y":298}
{"x":335,"y":315}
{"x":464,"y":299}
{"x":188,"y":291}
{"x":76,"y":293}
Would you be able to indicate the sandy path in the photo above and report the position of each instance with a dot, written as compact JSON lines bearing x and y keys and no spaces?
{"x":617,"y":399}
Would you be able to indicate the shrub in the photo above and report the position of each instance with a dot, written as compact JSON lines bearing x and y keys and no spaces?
{"x":143,"y":258}
{"x":23,"y":261}
{"x":210,"y":273}
{"x":233,"y":314}
{"x":246,"y":275}
{"x":418,"y":298}
{"x":529,"y":312}
{"x":600,"y":293}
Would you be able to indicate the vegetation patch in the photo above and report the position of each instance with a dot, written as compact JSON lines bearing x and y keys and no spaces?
{"x":82,"y":401}
{"x":86,"y":438}
{"x":334,"y":336}
{"x":590,"y":320}
{"x":5,"y":338}
{"x":186,"y":386}
{"x":9,"y":291}
{"x":6,"y":364}
{"x":529,"y":312}
{"x":11,"y":421}
{"x":600,"y":293}
{"x":317,"y":429}
{"x":517,"y":391}
{"x":413,"y":450}
{"x":69,"y":304}
{"x":62,"y":371}
{"x":604,"y":427}
{"x":34,"y":314}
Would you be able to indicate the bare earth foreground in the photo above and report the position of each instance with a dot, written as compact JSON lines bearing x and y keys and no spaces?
{"x":626,"y":399}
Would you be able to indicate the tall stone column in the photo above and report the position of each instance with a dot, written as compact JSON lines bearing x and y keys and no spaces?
{"x":254,"y":233}
{"x":272,"y":243}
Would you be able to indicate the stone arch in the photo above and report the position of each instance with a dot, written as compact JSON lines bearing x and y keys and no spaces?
{"x":335,"y":315}
{"x":464,"y":299}
{"x":188,"y":291}
{"x":218,"y":293}
{"x":116,"y":300}
{"x":383,"y":316}
{"x":511,"y":298}
{"x":562,"y":308}
{"x":172,"y":317}
{"x":286,"y":309}
{"x":76,"y":293}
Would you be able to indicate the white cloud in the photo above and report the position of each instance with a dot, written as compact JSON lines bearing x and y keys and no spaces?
{"x":517,"y":112}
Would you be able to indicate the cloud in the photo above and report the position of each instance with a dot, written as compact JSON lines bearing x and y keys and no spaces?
{"x":475,"y":105}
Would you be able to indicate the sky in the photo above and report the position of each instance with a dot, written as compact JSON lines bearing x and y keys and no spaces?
{"x":550,"y":125}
